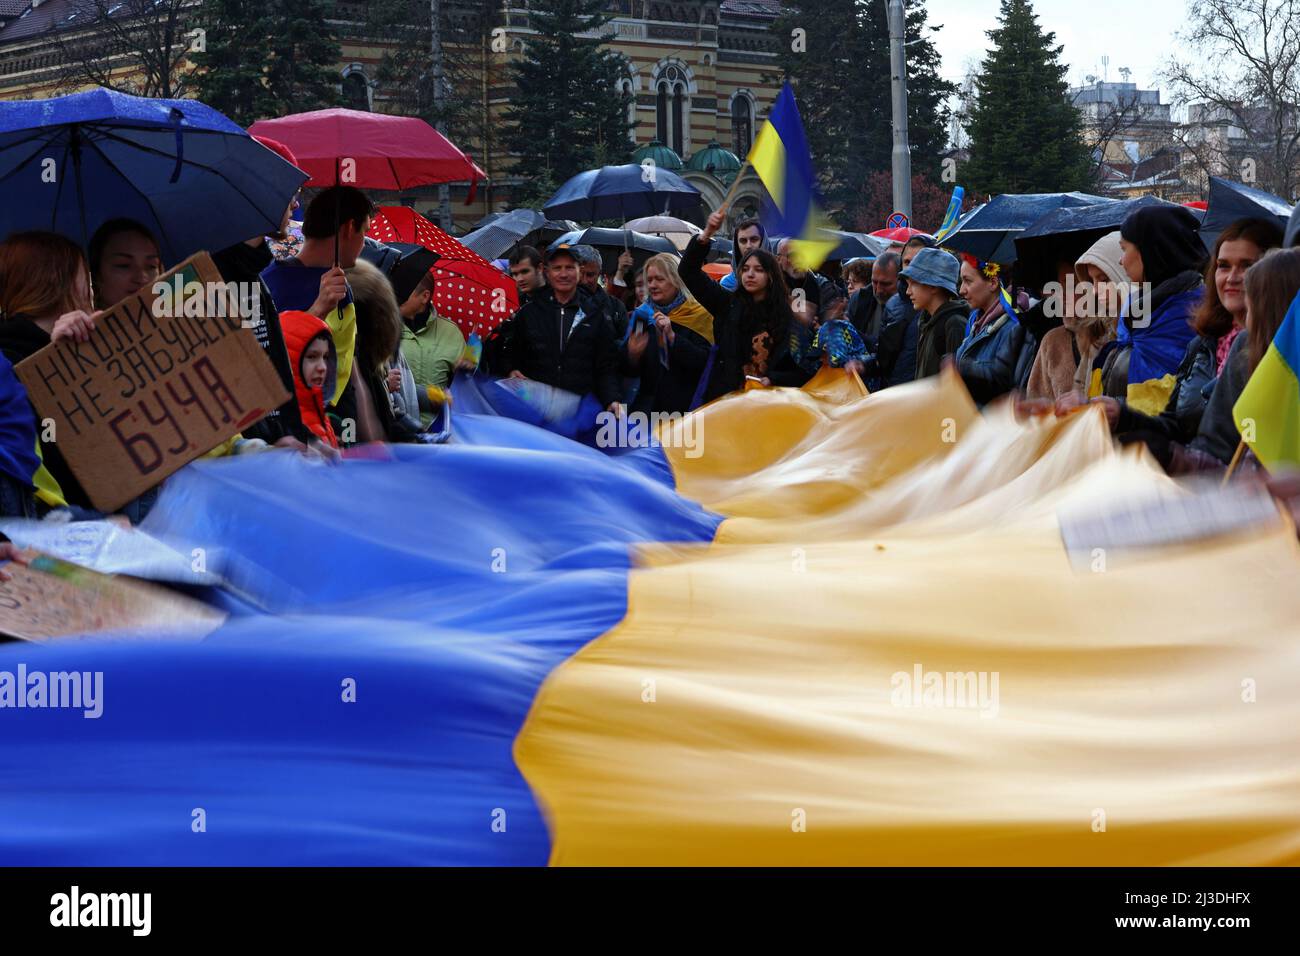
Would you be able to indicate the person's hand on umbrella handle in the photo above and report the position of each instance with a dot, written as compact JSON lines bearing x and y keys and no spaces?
{"x":333,"y":290}
{"x":625,"y":261}
{"x":716,"y":220}
{"x":664,"y":325}
{"x":73,"y":325}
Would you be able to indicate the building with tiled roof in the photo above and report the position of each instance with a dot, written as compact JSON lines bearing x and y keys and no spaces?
{"x":697,"y":71}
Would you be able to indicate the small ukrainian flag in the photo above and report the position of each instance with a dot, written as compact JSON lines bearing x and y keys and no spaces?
{"x":1268,"y":412}
{"x":782,"y":161}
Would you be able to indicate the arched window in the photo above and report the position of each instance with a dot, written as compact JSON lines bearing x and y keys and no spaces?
{"x":742,"y":124}
{"x":670,"y":109}
{"x":356,"y":91}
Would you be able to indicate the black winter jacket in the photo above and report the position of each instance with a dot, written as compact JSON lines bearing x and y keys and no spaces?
{"x":734,"y":330}
{"x":570,"y":346}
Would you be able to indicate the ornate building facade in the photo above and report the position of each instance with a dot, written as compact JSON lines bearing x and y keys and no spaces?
{"x":701,"y":74}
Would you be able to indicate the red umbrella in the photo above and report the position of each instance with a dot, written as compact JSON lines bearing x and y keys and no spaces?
{"x":470,"y":291}
{"x":370,"y":150}
{"x":899,"y":234}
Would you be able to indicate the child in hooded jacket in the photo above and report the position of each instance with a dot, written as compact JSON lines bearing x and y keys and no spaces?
{"x":315,"y":370}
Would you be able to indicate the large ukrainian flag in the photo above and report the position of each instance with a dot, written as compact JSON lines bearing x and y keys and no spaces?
{"x":1268,"y":412}
{"x":686,"y":655}
{"x":781,"y":158}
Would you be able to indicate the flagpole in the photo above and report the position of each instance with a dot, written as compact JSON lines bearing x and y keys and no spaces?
{"x":1232,"y":465}
{"x":735,"y":185}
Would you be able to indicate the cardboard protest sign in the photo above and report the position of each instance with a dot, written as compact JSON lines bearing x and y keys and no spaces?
{"x":168,"y":374}
{"x":50,"y":598}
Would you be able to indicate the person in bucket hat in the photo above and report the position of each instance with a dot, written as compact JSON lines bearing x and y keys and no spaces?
{"x":933,"y":277}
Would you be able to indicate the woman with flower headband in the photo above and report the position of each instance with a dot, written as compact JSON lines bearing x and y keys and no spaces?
{"x":990,"y":355}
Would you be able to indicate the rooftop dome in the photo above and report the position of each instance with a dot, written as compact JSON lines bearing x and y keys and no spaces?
{"x":717,"y":161}
{"x":662,"y":156}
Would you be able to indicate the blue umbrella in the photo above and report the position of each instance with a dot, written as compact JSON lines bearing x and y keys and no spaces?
{"x":1068,"y":232}
{"x":1231,"y":201}
{"x":622,"y":193}
{"x":195,"y":179}
{"x":990,"y":232}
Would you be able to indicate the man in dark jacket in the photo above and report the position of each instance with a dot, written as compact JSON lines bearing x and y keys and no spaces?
{"x":932,"y":282}
{"x":827,"y":300}
{"x":896,"y":355}
{"x":562,"y":336}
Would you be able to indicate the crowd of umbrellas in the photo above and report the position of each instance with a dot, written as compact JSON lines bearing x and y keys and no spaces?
{"x":199,"y":181}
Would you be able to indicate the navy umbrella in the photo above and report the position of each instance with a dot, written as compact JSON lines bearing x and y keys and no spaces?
{"x":1068,"y":232}
{"x":1231,"y":201}
{"x":990,"y":232}
{"x":623,"y":193}
{"x":610,"y":243}
{"x":492,"y":240}
{"x":195,"y":179}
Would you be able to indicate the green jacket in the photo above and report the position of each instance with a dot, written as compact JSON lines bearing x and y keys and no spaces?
{"x":432,"y":354}
{"x":939,"y":335}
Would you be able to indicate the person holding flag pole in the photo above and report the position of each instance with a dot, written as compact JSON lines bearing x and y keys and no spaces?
{"x":761,"y":337}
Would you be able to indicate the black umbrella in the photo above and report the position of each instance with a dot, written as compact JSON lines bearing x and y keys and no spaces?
{"x":610,"y":243}
{"x":990,"y":232}
{"x":1066,"y":233}
{"x":528,"y":227}
{"x":1231,"y":201}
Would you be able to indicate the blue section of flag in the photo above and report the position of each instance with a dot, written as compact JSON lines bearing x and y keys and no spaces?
{"x":447,"y":582}
{"x":798,"y":200}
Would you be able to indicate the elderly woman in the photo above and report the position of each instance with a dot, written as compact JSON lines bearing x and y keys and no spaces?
{"x":679,"y":333}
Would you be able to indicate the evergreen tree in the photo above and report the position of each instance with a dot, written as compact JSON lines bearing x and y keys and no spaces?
{"x":821,"y":47}
{"x":1025,"y":134}
{"x":303,"y":72}
{"x":839,"y":67}
{"x":567,"y":113}
{"x":265,"y":59}
{"x":231,"y":70}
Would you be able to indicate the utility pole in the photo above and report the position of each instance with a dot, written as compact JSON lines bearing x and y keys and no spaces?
{"x":439,"y":101}
{"x":902,"y":155}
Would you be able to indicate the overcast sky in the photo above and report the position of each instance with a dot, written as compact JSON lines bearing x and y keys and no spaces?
{"x":1138,"y":34}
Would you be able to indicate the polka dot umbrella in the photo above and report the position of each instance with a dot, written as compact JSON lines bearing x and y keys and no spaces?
{"x":469,"y":290}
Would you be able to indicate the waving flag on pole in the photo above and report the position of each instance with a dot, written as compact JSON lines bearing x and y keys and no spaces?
{"x":952,"y":215}
{"x":1268,"y":412}
{"x":781,"y":158}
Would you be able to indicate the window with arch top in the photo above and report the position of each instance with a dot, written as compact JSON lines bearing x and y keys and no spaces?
{"x":670,"y":109}
{"x":742,"y":125}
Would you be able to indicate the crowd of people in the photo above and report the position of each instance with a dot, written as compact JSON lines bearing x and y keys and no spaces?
{"x":1144,"y":323}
